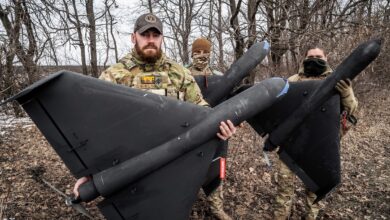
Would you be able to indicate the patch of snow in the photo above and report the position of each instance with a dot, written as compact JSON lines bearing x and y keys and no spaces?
{"x":10,"y":121}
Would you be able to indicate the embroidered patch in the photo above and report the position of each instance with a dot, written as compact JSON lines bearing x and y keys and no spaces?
{"x":147,"y":79}
{"x":150,"y":19}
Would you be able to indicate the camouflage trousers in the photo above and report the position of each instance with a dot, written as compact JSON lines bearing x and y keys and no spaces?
{"x":215,"y":200}
{"x":285,"y":179}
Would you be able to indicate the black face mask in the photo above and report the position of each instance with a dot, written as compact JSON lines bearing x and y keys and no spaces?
{"x":314,"y":66}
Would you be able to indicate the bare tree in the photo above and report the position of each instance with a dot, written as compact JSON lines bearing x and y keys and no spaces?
{"x":252,"y":11}
{"x":219,"y":37}
{"x":92,"y":37}
{"x":8,"y":83}
{"x":109,"y":27}
{"x":75,"y":20}
{"x":178,"y":15}
{"x":14,"y":28}
{"x":237,"y":35}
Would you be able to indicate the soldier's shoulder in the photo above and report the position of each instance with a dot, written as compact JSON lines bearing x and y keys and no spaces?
{"x":128,"y":61}
{"x":124,"y":66}
{"x":114,"y":69}
{"x":116,"y":66}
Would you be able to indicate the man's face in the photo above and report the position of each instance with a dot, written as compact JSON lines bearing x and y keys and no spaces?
{"x":316,"y":53}
{"x":148,"y":44}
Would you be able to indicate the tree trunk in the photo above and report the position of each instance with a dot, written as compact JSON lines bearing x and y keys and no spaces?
{"x":252,"y":9}
{"x":77,"y":24}
{"x":238,"y":38}
{"x":26,"y":57}
{"x":92,"y":37}
{"x":219,"y":36}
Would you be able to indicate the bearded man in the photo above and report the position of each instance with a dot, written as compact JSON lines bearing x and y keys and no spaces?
{"x":147,"y":68}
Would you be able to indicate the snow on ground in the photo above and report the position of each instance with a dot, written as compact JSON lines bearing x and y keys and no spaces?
{"x":9,"y":121}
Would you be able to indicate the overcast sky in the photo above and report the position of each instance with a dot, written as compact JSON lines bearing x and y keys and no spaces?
{"x":126,"y":14}
{"x":68,"y":52}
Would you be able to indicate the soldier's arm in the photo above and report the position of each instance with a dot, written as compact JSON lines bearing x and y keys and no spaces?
{"x":192,"y":90}
{"x":348,"y":99}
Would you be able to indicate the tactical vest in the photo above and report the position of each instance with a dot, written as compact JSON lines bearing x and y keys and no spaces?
{"x":154,"y":79}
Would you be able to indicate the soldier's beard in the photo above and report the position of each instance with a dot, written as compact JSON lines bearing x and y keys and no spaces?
{"x":148,"y":56}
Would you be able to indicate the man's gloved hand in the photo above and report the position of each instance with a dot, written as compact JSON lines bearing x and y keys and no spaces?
{"x":348,"y":99}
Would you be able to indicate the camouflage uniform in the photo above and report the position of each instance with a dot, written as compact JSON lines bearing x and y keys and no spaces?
{"x":200,"y":66}
{"x":215,"y":199}
{"x":285,"y":177}
{"x":164,"y":77}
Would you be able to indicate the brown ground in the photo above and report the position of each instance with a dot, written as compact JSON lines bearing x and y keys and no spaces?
{"x":249,"y":188}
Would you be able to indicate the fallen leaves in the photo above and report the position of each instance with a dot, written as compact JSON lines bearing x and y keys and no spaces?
{"x":249,"y":188}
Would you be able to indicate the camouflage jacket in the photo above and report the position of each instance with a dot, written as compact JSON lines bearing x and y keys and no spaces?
{"x":164,"y":77}
{"x":205,"y":72}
